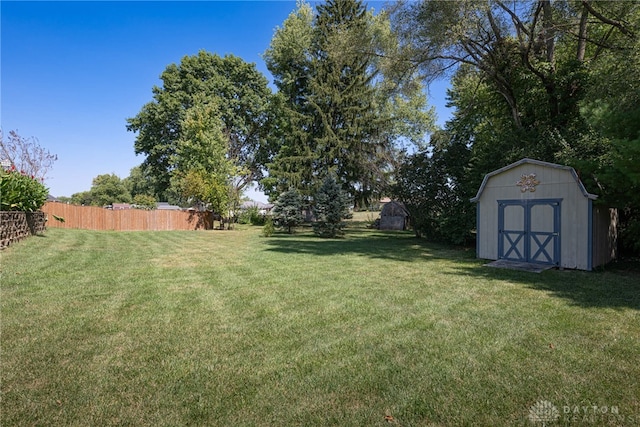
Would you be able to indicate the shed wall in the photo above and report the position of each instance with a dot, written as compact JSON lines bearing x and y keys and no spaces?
{"x":605,"y":235}
{"x":554,"y":183}
{"x":393,"y":223}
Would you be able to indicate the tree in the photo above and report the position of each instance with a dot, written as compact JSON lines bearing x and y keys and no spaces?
{"x":204,"y":189}
{"x":140,"y":183}
{"x":106,"y":189}
{"x":347,"y":113}
{"x":528,"y":61}
{"x":342,"y":98}
{"x":26,"y":155}
{"x":287,"y":211}
{"x":82,"y":198}
{"x":232,"y":101}
{"x":530,"y":79}
{"x":289,"y":61}
{"x":431,"y":183}
{"x":331,"y":207}
{"x":144,"y":201}
{"x":612,"y":107}
{"x":551,"y":40}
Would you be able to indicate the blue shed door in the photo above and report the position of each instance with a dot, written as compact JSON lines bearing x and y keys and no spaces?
{"x":529,"y":231}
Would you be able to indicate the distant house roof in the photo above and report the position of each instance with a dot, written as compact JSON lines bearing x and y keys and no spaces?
{"x":165,"y":206}
{"x":253,"y":204}
{"x":50,"y":198}
{"x":120,"y":206}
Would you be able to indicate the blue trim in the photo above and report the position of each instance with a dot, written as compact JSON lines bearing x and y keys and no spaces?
{"x":541,"y":238}
{"x":477,"y":230}
{"x":512,"y":237}
{"x":590,"y":236}
{"x":500,"y":226}
{"x":558,"y":227}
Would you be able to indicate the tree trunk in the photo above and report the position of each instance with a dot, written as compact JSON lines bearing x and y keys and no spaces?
{"x":582,"y":35}
{"x":549,"y":33}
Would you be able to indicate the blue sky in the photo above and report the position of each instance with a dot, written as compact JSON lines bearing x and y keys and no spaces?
{"x":73,"y":72}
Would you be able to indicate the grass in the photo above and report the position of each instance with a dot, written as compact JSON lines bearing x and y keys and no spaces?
{"x":378,"y":328}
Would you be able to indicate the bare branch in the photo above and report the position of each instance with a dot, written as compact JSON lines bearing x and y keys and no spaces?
{"x":26,"y":154}
{"x":515,"y":19}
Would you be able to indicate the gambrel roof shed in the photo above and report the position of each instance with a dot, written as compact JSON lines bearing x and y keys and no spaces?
{"x":539,"y":212}
{"x":394,"y":216}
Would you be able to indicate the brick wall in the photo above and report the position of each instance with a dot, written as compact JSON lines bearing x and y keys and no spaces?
{"x":15,"y":226}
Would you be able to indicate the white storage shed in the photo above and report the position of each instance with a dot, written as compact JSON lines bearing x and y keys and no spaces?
{"x":538,"y":212}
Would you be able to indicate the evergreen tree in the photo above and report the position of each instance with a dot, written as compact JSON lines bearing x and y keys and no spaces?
{"x":331,"y":207}
{"x":343,"y":101}
{"x":287,"y":211}
{"x":345,"y":111}
{"x":289,"y":60}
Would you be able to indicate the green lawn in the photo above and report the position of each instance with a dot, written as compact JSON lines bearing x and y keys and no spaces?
{"x":230,"y":328}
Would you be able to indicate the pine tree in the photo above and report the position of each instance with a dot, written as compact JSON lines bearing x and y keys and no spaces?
{"x":344,"y":114}
{"x":289,"y":60}
{"x":331,"y":208}
{"x":287,"y":212}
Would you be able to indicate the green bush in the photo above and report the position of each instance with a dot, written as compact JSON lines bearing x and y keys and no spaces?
{"x":268,"y":229}
{"x":251,"y":216}
{"x":144,"y":201}
{"x":20,"y":192}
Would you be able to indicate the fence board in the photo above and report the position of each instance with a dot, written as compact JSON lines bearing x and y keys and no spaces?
{"x":96,"y":218}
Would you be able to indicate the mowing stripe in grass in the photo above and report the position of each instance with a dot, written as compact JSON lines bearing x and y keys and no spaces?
{"x":208,"y":328}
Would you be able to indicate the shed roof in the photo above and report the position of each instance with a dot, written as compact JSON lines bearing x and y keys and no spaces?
{"x":571,"y":170}
{"x":394,"y":208}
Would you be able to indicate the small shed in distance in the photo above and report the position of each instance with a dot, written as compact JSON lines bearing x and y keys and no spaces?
{"x":394,"y":216}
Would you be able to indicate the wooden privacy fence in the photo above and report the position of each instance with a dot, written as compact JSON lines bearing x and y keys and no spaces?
{"x":96,"y":218}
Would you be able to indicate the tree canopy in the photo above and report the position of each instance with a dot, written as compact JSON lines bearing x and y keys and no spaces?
{"x":344,"y":112}
{"x":212,"y":116}
{"x":106,"y":189}
{"x":552,"y":80}
{"x":541,"y":79}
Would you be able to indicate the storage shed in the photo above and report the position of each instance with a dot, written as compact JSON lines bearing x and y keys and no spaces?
{"x":393,"y":216}
{"x":538,"y":212}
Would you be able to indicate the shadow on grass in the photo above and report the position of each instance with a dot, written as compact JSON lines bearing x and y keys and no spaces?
{"x":608,"y":288}
{"x":613,"y":287}
{"x":389,"y":245}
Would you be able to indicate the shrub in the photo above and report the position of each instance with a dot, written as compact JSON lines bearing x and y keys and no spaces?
{"x":21,"y":192}
{"x":251,"y":216}
{"x":268,"y":229}
{"x":144,"y":201}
